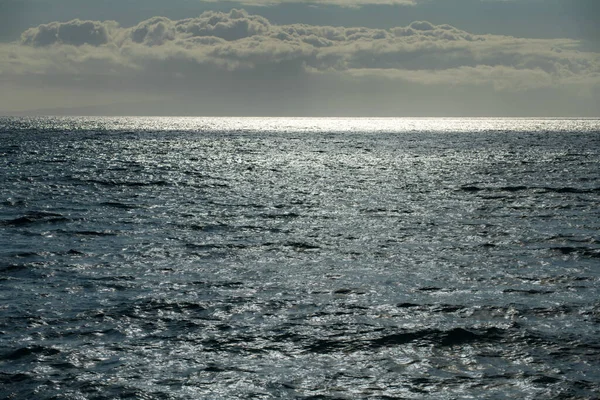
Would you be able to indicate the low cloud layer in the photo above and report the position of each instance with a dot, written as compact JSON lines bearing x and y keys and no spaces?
{"x":236,"y":54}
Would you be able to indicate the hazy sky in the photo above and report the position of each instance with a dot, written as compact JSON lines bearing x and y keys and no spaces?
{"x":279,"y":57}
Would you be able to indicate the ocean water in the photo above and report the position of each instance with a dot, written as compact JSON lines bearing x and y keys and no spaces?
{"x":266,"y":258}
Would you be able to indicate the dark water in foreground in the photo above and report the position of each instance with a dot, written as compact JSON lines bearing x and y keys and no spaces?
{"x":312,"y":259}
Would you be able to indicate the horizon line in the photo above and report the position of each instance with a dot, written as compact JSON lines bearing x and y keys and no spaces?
{"x":34,"y":115}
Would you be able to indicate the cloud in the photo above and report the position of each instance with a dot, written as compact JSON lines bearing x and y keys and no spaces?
{"x":237,"y":53}
{"x":75,"y":32}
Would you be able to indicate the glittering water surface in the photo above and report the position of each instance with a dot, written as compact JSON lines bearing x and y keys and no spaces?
{"x":184,"y":258}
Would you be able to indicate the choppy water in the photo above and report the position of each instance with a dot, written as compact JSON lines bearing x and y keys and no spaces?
{"x":155,"y":258}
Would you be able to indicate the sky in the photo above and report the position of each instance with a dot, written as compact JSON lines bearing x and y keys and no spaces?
{"x":487,"y":58}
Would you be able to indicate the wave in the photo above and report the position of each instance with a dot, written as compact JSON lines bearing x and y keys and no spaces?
{"x":425,"y":337}
{"x":528,"y":291}
{"x":521,"y":188}
{"x":280,"y":215}
{"x":36,"y":217}
{"x":116,"y":204}
{"x":7,"y":378}
{"x":93,"y":233}
{"x":31,"y":351}
{"x":581,"y":251}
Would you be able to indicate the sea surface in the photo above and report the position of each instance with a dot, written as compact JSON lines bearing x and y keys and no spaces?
{"x":277,"y":258}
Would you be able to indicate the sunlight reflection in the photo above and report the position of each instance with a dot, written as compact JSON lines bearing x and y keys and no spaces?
{"x":283,"y":125}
